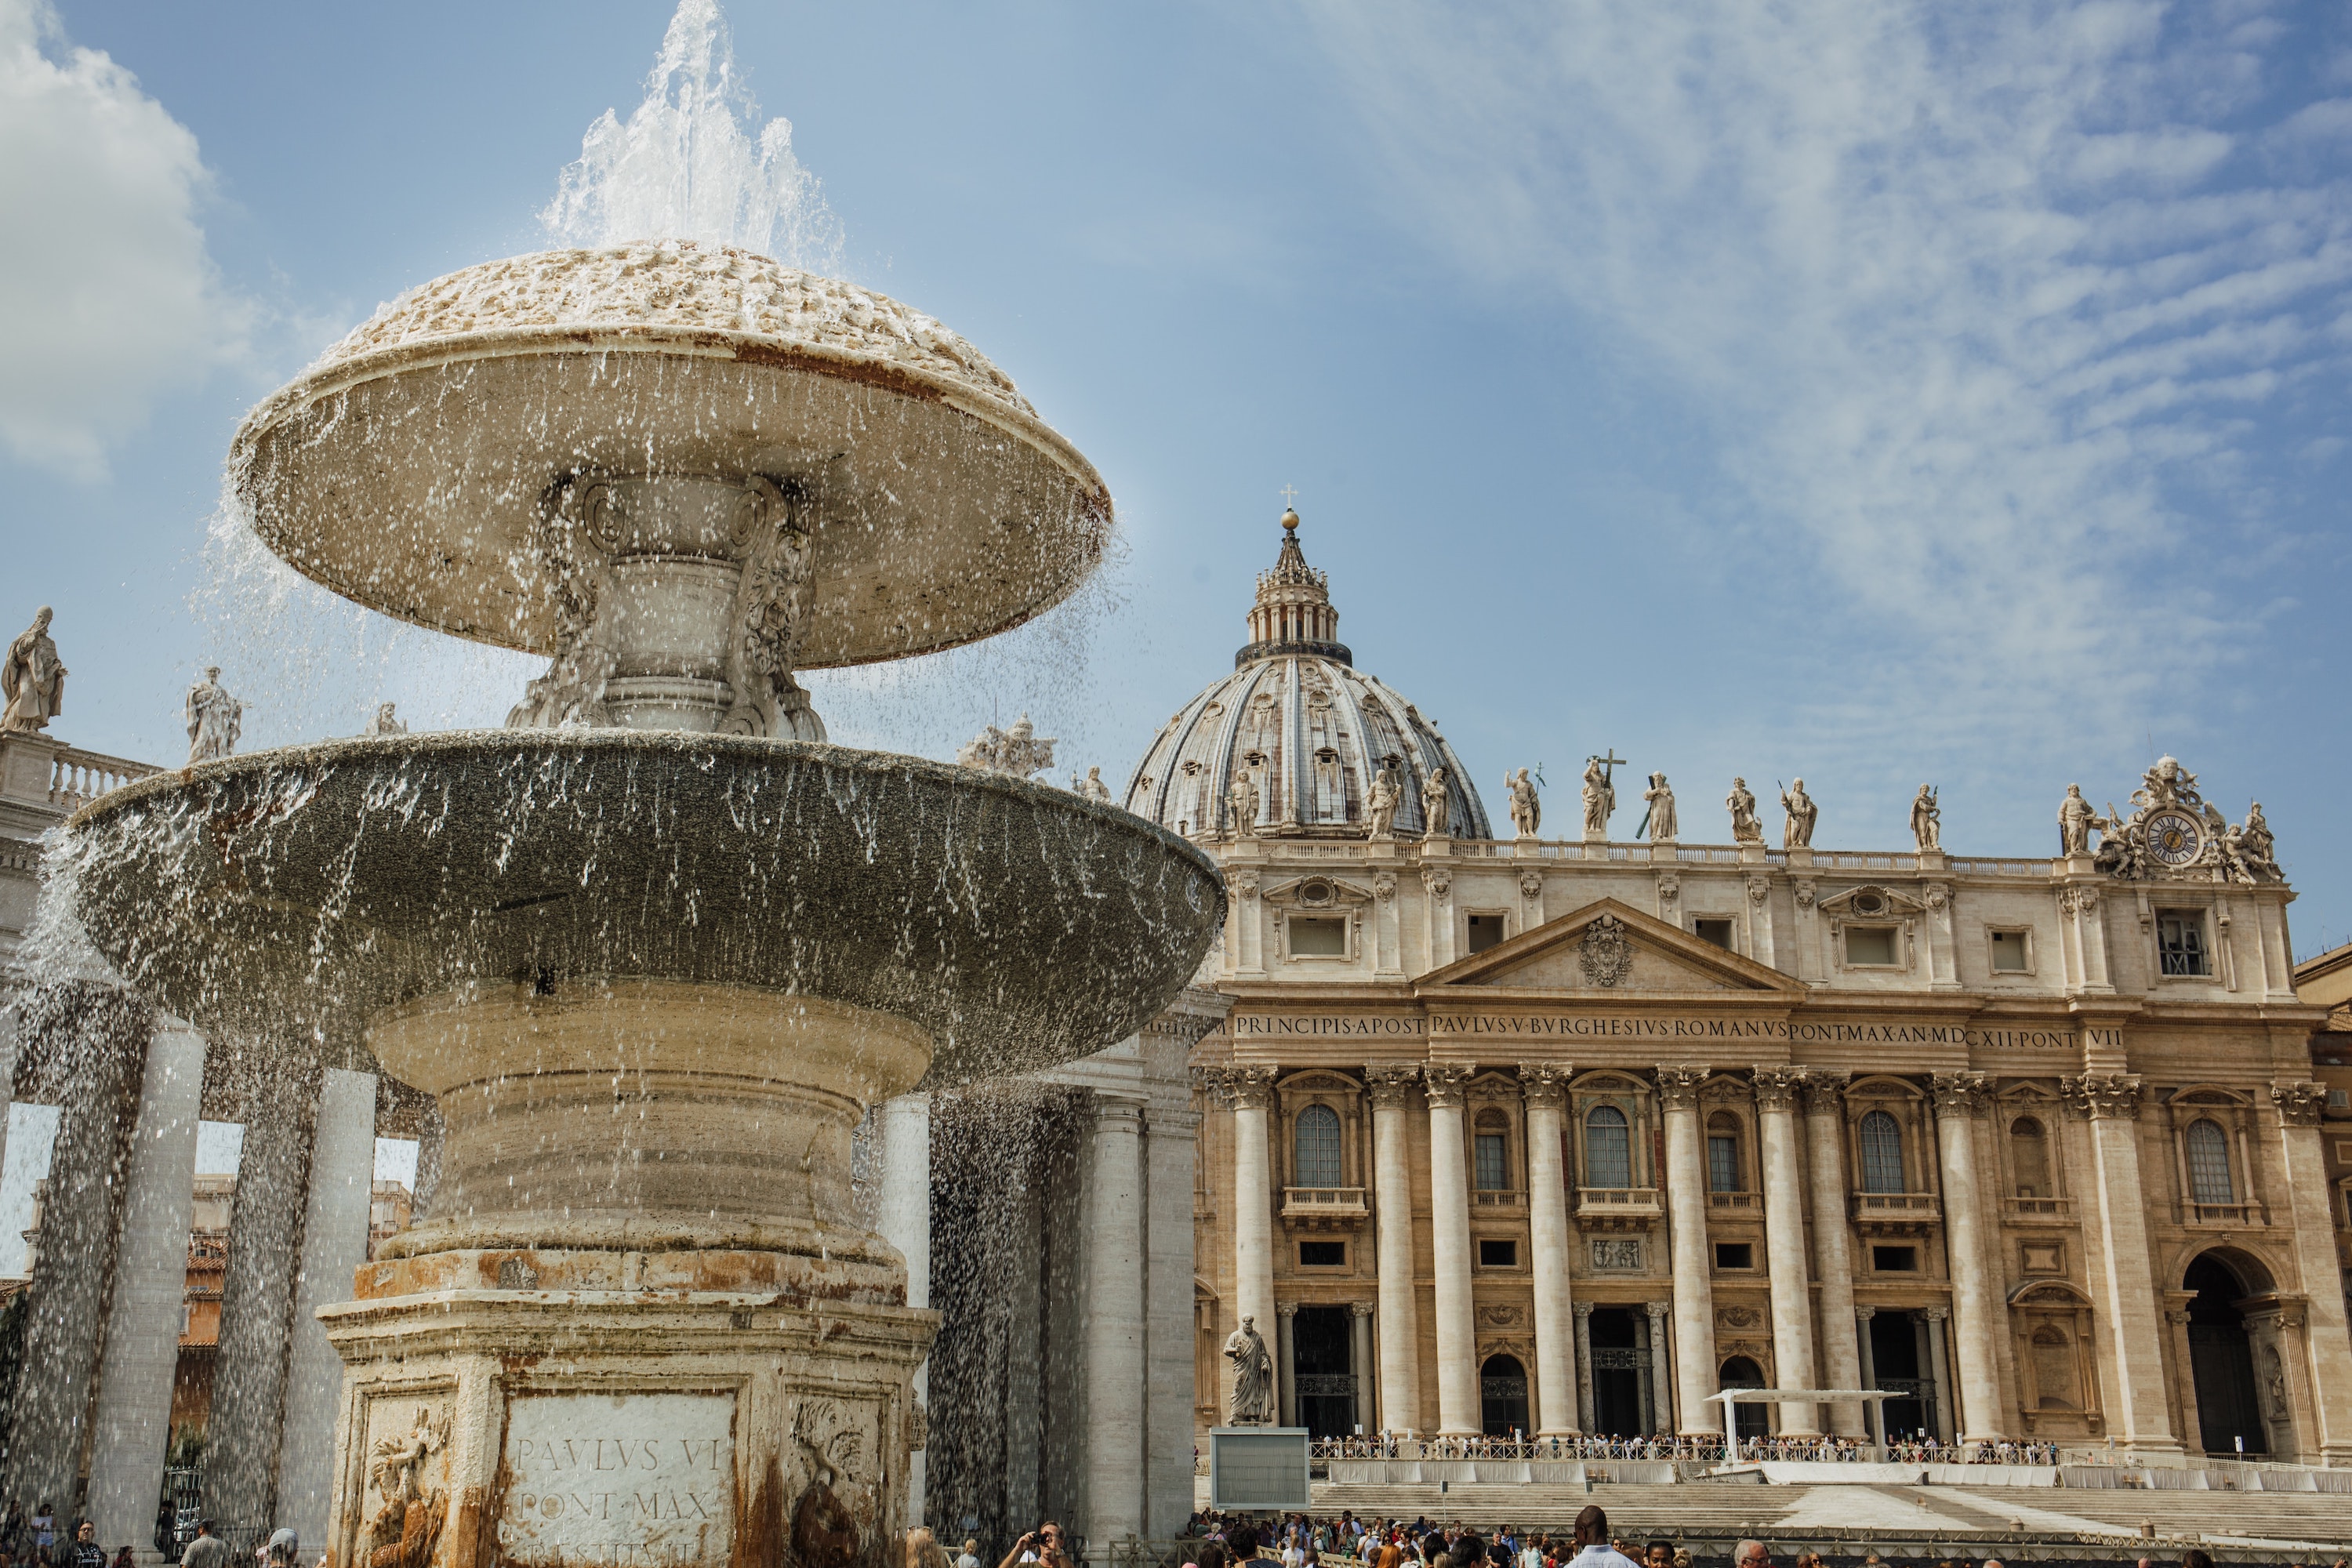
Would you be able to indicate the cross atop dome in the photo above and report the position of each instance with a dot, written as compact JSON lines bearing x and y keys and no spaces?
{"x":1293,"y":614}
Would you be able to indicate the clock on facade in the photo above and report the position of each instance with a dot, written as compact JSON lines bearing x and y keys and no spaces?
{"x":2174,"y":838}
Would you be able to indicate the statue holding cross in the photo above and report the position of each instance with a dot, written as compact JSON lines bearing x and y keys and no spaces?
{"x":1600,"y":793}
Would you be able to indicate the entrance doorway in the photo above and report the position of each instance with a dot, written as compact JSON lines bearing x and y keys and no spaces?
{"x":1322,"y":1351}
{"x":1619,"y":1367}
{"x":1747,"y":1420}
{"x":2222,"y":1361}
{"x":1502,"y":1396}
{"x":1897,"y":1362}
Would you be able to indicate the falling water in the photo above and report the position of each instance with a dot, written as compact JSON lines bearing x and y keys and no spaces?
{"x":689,"y":164}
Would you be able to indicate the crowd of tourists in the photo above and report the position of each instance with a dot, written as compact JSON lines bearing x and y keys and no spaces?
{"x":39,"y":1539}
{"x":1846,"y":1450}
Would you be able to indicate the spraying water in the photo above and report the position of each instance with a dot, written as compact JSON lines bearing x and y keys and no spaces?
{"x":694,"y":162}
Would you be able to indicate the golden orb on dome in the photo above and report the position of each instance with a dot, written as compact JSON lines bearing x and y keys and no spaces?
{"x":1289,"y":517}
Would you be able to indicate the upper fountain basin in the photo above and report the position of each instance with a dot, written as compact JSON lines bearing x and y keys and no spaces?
{"x":301,"y":893}
{"x":407,"y":469}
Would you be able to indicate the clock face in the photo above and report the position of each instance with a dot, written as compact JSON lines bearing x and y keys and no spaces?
{"x":2174,"y":838}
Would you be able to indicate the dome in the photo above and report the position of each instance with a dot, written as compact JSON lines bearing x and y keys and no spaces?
{"x":1309,"y":728}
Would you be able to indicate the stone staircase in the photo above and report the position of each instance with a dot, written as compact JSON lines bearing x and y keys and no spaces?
{"x":1900,"y":1521}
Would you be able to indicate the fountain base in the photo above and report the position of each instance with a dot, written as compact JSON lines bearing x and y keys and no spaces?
{"x":677,"y":1427}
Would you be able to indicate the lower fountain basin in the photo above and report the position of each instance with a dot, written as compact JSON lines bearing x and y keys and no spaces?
{"x":307,"y":892}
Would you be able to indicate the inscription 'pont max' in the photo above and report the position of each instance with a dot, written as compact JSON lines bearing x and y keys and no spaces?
{"x":629,"y":1479}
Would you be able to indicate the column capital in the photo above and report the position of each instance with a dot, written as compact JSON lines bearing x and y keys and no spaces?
{"x":1863,"y":1314}
{"x":1935,"y":1314}
{"x":1252,"y":1087}
{"x":2103,"y":1095}
{"x":1678,"y":1087}
{"x":2299,"y":1103}
{"x":1359,"y":1308}
{"x":1582,"y":1310}
{"x":1391,"y":1082}
{"x":1286,"y":1309}
{"x":1824,"y":1089}
{"x":1777,"y":1087}
{"x":1121,"y":1110}
{"x":1658,"y":1311}
{"x":1444,"y":1083}
{"x":1961,"y":1093}
{"x":1210,"y":1083}
{"x":1545,"y":1084}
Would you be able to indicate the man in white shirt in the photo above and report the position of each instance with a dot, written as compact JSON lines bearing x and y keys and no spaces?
{"x":1592,"y":1539}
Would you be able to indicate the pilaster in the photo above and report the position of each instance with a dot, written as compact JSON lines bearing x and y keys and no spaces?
{"x":2329,"y":1341}
{"x":2142,"y":1418}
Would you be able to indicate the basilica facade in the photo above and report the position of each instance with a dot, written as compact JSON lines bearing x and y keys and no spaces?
{"x":1555,"y":1133}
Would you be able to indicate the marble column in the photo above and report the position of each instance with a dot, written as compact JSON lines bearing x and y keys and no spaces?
{"x":335,"y":1247}
{"x":1171,"y":1138}
{"x":1661,"y":1411}
{"x":1557,"y":1362}
{"x":151,"y":1283}
{"x":1253,"y":1196}
{"x":2125,"y":1280}
{"x":1939,"y":1359}
{"x":2311,"y":1207}
{"x":1584,"y":1365}
{"x":1784,"y":1247}
{"x":1694,"y":1365}
{"x":85,"y":1041}
{"x":1114,"y":1321}
{"x":1876,"y":1410}
{"x":1959,"y":1106}
{"x":1458,"y":1413}
{"x":1286,"y":1362}
{"x":1391,"y":1087}
{"x":1359,"y":1360}
{"x":1841,"y":1365}
{"x":264,"y":1234}
{"x":905,"y":1221}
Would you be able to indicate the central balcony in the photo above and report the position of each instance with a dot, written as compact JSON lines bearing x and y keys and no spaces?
{"x":1498,"y":1201}
{"x":1618,"y":1208}
{"x":1324,"y":1208}
{"x":1751,"y":1203}
{"x":1896,"y":1213}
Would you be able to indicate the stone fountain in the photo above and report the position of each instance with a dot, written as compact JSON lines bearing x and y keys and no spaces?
{"x":655,"y":947}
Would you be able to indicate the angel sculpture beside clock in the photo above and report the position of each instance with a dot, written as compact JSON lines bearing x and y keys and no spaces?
{"x":2172,"y":831}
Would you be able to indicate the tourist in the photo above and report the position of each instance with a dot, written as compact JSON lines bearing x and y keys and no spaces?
{"x":2196,"y":1558}
{"x":1592,"y":1535}
{"x":87,"y":1551}
{"x":45,"y":1531}
{"x":969,"y":1557}
{"x":1752,"y":1555}
{"x":1658,"y":1555}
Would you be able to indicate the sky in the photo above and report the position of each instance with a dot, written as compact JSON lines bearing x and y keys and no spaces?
{"x":1874,"y":391}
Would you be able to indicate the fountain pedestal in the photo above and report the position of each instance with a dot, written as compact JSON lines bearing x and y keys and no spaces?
{"x":646,"y":1329}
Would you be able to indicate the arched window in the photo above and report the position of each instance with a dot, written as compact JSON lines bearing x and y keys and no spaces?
{"x":1723,"y":1153}
{"x":2209,"y":1163}
{"x":1608,"y":1148}
{"x":1882,"y":1153}
{"x":1315,"y":1143}
{"x":2029,"y":1158}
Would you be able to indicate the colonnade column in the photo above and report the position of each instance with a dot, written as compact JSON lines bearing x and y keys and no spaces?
{"x":1286,"y":1362}
{"x":1662,"y":1413}
{"x":1557,"y":1365}
{"x":265,"y":1232}
{"x":905,"y":1222}
{"x":1784,"y":1247}
{"x":1939,"y":1358}
{"x":85,"y":1040}
{"x":1876,"y":1410}
{"x":1694,"y":1369}
{"x":150,"y":1280}
{"x":335,"y":1247}
{"x":1449,"y":1209}
{"x":1114,"y":1321}
{"x":1391,"y":1085}
{"x":2134,"y":1336}
{"x":1584,"y":1365}
{"x":1360,"y":1356}
{"x":1841,"y":1362}
{"x":1959,"y":1104}
{"x":1252,"y":1091}
{"x":2311,"y":1202}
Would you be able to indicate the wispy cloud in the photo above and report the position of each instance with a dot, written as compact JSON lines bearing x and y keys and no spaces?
{"x":1989,"y":305}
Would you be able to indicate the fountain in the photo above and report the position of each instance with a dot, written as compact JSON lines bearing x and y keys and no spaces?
{"x":655,"y":946}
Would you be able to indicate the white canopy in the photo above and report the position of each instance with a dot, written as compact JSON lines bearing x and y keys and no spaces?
{"x":1801,"y":1395}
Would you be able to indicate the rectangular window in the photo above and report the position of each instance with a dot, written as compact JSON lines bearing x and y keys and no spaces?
{"x":1734,"y":1255}
{"x":1894,"y":1260}
{"x":1322,"y":1255}
{"x":2008,"y":953}
{"x":1494,"y":1162}
{"x":1318,"y":936}
{"x":1497,"y":1254}
{"x":1723,"y":1164}
{"x":1486,"y":931}
{"x":2180,"y":942}
{"x":1873,"y":946}
{"x":1716,"y":932}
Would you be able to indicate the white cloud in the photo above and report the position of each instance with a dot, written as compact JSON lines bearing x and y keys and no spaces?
{"x":1974,"y":296}
{"x":108,"y":293}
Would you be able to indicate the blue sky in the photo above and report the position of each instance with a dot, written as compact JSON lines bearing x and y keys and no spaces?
{"x":1878,"y":393}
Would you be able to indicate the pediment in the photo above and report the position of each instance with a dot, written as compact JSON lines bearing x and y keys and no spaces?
{"x":1609,"y":948}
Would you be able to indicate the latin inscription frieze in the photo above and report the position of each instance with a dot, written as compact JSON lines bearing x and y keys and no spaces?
{"x":1584,"y":1025}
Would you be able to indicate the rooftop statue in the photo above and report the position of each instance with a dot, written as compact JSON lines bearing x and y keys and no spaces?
{"x":1090,"y":787}
{"x":1927,"y":819}
{"x":381,"y":722}
{"x":1019,"y":752}
{"x":214,"y":718}
{"x":1663,"y":829}
{"x":2075,"y":819}
{"x":32,"y":679}
{"x":1527,"y":807}
{"x":1600,"y":796}
{"x":1241,"y":804}
{"x":1380,"y":800}
{"x":1741,"y":804}
{"x":1797,"y":831}
{"x":1435,"y":804}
